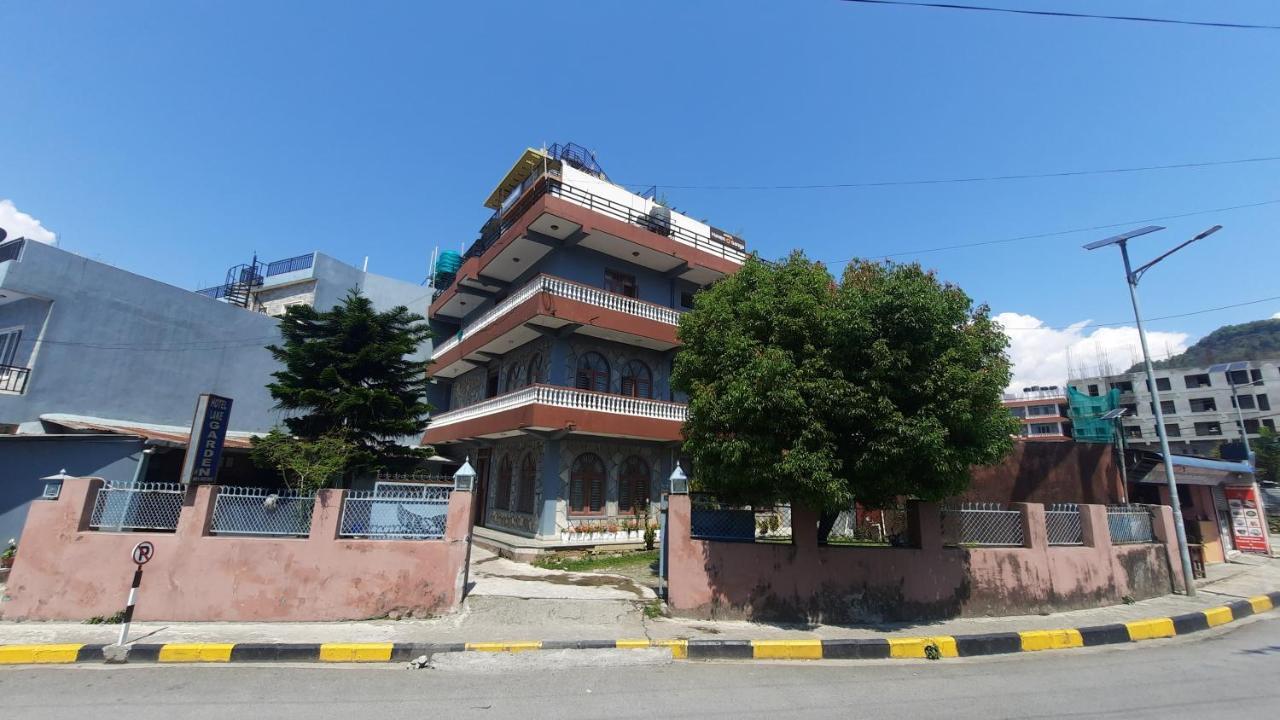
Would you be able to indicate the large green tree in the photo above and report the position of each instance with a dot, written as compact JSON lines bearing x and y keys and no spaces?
{"x":1266,"y":450}
{"x":803,"y":389}
{"x":347,"y":374}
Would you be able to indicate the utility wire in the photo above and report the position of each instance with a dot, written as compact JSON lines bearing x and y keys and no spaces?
{"x":958,"y":180}
{"x":1059,"y":233}
{"x":1060,"y":14}
{"x":1161,"y":317}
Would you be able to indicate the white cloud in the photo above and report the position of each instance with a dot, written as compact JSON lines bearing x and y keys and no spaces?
{"x":1040,"y":354}
{"x":1276,"y":316}
{"x":19,"y":224}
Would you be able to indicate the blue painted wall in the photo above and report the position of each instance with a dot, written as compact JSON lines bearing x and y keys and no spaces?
{"x":119,"y":345}
{"x":28,"y":458}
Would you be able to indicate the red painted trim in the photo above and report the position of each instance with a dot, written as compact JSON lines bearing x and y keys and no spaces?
{"x":586,"y":422}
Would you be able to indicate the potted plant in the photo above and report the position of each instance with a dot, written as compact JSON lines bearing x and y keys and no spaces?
{"x":612,"y":529}
{"x":10,"y":552}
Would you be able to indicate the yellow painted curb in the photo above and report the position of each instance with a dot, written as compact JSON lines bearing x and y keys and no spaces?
{"x":787,"y":649}
{"x":38,"y":654}
{"x":1218,"y":616}
{"x":1261,"y":603}
{"x":1150,"y":628}
{"x":679,"y":648}
{"x":1033,"y":640}
{"x":506,"y":646}
{"x":914,"y":647}
{"x":355,"y":652}
{"x":195,"y":652}
{"x":631,"y":644}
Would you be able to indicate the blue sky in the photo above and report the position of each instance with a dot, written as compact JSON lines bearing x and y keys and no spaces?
{"x":175,"y":139}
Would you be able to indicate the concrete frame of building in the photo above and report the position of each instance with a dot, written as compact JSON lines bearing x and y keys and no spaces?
{"x":561,"y":338}
{"x":1187,"y":394}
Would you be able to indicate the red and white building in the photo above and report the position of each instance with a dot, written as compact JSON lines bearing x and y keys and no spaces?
{"x":1043,"y":412}
{"x":555,"y":342}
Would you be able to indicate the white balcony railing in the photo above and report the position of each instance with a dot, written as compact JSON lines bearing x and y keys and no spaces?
{"x":570,"y":290}
{"x":566,"y":398}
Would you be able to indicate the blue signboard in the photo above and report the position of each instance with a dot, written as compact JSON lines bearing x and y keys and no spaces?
{"x":208,"y":433}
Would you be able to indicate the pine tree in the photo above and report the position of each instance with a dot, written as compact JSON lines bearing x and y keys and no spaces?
{"x":346,"y":373}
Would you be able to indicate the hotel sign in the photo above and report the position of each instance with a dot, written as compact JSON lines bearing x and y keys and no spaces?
{"x":208,"y":433}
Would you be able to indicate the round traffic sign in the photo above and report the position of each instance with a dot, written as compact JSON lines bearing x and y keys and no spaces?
{"x":143,"y":551}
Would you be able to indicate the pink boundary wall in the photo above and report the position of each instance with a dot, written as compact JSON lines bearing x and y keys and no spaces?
{"x":64,"y":571}
{"x":805,"y":581}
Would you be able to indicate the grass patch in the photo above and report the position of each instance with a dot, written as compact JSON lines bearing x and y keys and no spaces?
{"x":590,"y":563}
{"x":107,"y":620}
{"x":653,"y":609}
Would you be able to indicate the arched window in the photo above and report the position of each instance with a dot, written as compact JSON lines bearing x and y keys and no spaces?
{"x":528,"y":484}
{"x":593,"y":372}
{"x":502,"y":496}
{"x":534,"y":372}
{"x":637,"y":381}
{"x":633,"y":486}
{"x":586,"y":485}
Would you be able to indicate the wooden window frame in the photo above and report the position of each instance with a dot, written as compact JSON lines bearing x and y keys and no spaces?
{"x":576,"y":478}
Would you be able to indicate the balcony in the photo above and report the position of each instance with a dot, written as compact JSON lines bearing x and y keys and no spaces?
{"x":551,"y":409}
{"x":13,"y":379}
{"x":554,"y":213}
{"x":550,"y":303}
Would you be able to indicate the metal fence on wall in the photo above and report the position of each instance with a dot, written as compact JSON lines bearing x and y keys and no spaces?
{"x":1062,"y":520}
{"x":261,"y":511}
{"x":119,"y":507}
{"x":982,"y":524}
{"x":710,"y":519}
{"x":385,"y":515}
{"x":1130,"y":524}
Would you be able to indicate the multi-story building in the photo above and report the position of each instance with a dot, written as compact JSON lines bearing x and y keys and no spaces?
{"x":1199,"y":407}
{"x":557,"y":336}
{"x":100,"y":368}
{"x":1042,"y":412}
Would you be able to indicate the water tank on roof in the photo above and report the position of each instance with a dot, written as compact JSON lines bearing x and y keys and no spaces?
{"x":446,"y":268}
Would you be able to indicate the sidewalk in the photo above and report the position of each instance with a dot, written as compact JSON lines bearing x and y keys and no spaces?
{"x":511,"y":602}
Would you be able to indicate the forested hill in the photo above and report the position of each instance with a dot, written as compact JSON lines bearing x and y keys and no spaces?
{"x":1248,"y":341}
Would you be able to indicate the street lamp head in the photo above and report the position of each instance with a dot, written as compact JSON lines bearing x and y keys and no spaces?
{"x":1207,"y":233}
{"x":1116,"y":239}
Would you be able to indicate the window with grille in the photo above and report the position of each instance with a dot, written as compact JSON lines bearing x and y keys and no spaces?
{"x":502,"y":497}
{"x":534,"y":371}
{"x":637,"y":380}
{"x":528,"y":484}
{"x":9,"y":345}
{"x":515,"y":377}
{"x":633,"y":486}
{"x":621,"y":283}
{"x":586,"y":485}
{"x":593,"y":373}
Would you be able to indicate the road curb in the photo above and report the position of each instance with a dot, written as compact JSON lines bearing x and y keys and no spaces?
{"x":933,"y":647}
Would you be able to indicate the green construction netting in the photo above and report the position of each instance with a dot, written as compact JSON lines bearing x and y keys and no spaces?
{"x":1086,"y":411}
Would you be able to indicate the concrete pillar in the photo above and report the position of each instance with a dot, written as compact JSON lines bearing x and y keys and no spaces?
{"x":552,"y":488}
{"x":1035,"y":534}
{"x":458,"y":520}
{"x":804,"y":528}
{"x":1162,"y":528}
{"x":197,"y":511}
{"x":924,"y":523}
{"x":326,"y":515}
{"x":1093,"y":527}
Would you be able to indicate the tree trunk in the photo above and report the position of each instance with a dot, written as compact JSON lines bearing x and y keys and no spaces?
{"x":826,"y":522}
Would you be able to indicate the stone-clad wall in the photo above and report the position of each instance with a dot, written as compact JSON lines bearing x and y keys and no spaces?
{"x":618,"y":355}
{"x":512,"y":519}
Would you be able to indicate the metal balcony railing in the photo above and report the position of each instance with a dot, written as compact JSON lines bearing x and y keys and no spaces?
{"x":567,"y":289}
{"x":13,"y":379}
{"x":566,"y":398}
{"x":658,"y":220}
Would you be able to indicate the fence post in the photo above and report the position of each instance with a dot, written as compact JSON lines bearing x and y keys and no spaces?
{"x":71,"y":493}
{"x":1094,"y":530}
{"x":1163,"y":530}
{"x":196,"y":516}
{"x":804,"y":527}
{"x":1035,"y":533}
{"x":924,"y":521}
{"x":326,"y":515}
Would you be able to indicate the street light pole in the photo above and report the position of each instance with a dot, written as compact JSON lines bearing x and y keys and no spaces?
{"x":1131,"y":279}
{"x":1184,"y":553}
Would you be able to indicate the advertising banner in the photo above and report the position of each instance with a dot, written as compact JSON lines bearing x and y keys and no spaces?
{"x":1246,"y":519}
{"x":208,"y":433}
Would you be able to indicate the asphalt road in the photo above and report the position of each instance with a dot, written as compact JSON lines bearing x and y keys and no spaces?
{"x":1233,"y":674}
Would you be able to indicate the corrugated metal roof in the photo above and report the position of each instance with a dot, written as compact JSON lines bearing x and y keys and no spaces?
{"x":173,"y":435}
